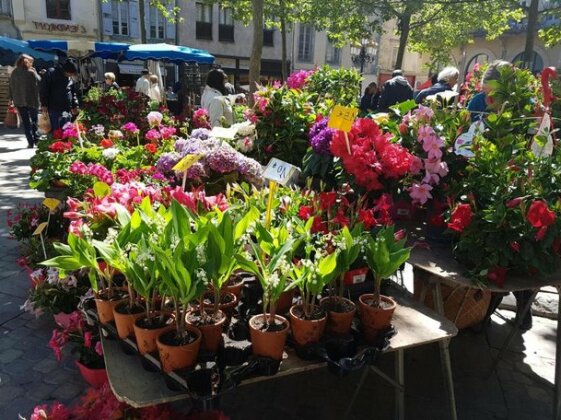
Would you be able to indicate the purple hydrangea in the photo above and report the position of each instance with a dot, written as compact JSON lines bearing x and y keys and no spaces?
{"x":201,"y":134}
{"x":251,"y":170}
{"x":320,"y":137}
{"x":224,"y":159}
{"x":167,"y":161}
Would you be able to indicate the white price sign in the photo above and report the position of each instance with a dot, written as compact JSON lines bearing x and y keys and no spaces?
{"x":224,"y":133}
{"x":280,"y":171}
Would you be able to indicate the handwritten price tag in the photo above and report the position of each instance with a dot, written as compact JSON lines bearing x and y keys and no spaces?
{"x":187,"y":162}
{"x":342,"y":118}
{"x":40,"y":228}
{"x":280,"y":171}
{"x":51,"y":203}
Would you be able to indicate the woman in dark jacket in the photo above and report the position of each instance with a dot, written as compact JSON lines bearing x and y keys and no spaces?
{"x":58,"y":94}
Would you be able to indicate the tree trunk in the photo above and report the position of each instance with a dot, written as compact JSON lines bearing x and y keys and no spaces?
{"x":404,"y":27}
{"x":283,"y":36}
{"x":141,"y":16}
{"x":532,"y":16}
{"x":257,"y":47}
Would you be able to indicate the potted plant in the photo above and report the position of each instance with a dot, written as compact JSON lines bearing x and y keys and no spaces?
{"x":183,"y":280}
{"x":311,"y":274}
{"x":270,"y":262}
{"x":87,"y":346}
{"x":340,"y":310}
{"x":385,"y":253}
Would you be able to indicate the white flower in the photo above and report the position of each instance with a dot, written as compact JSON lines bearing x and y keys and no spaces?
{"x":201,"y":256}
{"x":28,"y":306}
{"x":110,"y":153}
{"x":98,"y":130}
{"x":154,"y":118}
{"x":201,"y":275}
{"x":274,"y":279}
{"x":245,"y":128}
{"x":111,"y":236}
{"x":52,"y":276}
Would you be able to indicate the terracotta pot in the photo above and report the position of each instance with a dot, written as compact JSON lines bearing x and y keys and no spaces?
{"x":62,"y":319}
{"x":268,"y":343}
{"x":235,"y":288}
{"x":179,"y":357}
{"x":306,"y":331}
{"x":125,"y":322}
{"x":285,"y":301}
{"x":95,"y":377}
{"x":338,"y":322}
{"x":146,"y":337}
{"x":227,"y":308}
{"x":212,"y":333}
{"x":105,"y":308}
{"x":375,"y":320}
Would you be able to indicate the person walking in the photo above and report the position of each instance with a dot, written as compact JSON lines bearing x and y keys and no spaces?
{"x":58,"y":94}
{"x":447,"y":79}
{"x":213,"y":99}
{"x":369,"y":101}
{"x":23,"y":92}
{"x":395,"y":90}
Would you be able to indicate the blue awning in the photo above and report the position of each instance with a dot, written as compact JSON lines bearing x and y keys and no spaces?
{"x":167,"y":52}
{"x":17,"y":47}
{"x":52,"y":45}
{"x":108,"y":50}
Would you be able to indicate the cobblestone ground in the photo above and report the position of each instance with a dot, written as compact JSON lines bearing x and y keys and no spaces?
{"x":519,"y":388}
{"x":29,"y":373}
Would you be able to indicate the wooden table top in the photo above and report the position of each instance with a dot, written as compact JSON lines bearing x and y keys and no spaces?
{"x":439,"y":261}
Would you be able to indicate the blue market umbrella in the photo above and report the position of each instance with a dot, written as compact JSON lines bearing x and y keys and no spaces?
{"x":167,"y":52}
{"x":99,"y":49}
{"x":14,"y":47}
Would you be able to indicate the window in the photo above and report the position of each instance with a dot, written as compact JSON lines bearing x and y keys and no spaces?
{"x":536,"y":64}
{"x":204,"y":21}
{"x":306,"y":43}
{"x":332,"y":54}
{"x":476,"y":59}
{"x":226,"y":26}
{"x":5,"y":8}
{"x":157,"y":23}
{"x":120,"y":15}
{"x":269,"y":37}
{"x":58,"y":9}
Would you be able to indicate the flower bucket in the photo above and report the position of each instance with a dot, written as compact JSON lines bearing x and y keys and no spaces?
{"x":95,"y":377}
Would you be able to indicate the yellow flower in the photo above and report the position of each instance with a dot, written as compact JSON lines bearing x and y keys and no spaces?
{"x":381,"y":118}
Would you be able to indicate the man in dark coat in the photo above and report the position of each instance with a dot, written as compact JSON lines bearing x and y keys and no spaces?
{"x":58,"y":94}
{"x":395,"y":90}
{"x":447,"y":79}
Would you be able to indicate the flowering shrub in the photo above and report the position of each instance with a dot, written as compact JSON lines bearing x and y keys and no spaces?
{"x":370,"y":155}
{"x":297,"y":80}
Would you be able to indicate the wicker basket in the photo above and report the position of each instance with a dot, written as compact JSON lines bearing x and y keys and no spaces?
{"x":463,"y":306}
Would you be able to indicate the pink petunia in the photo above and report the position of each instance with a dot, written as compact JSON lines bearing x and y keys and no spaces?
{"x":432,"y":145}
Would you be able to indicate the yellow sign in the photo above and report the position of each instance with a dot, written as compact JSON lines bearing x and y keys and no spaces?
{"x":342,"y":118}
{"x":51,"y":203}
{"x":186,"y":162}
{"x":40,"y":228}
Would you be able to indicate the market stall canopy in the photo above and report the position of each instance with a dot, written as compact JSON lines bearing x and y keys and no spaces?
{"x":167,"y":52}
{"x":14,"y":47}
{"x":94,"y":49}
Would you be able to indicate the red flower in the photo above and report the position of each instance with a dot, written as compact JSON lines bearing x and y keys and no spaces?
{"x":150,"y":147}
{"x":461,"y":218}
{"x":57,"y":134}
{"x":399,"y":235}
{"x":60,"y":147}
{"x":541,"y":233}
{"x":403,"y":129}
{"x":306,"y":212}
{"x":497,"y":275}
{"x":327,"y":199}
{"x":539,"y":214}
{"x":106,"y":143}
{"x":515,"y":246}
{"x":341,"y":219}
{"x":319,"y":226}
{"x":367,"y":218}
{"x":514,"y":202}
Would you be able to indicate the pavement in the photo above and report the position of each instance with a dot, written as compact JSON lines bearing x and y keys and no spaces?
{"x":520,"y":387}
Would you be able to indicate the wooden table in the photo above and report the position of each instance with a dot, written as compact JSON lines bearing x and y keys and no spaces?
{"x":416,"y":325}
{"x":436,"y":265}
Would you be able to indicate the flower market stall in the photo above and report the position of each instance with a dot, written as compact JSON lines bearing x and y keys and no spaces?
{"x":204,"y":252}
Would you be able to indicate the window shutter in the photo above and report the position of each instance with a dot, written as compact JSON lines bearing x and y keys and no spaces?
{"x":107,"y":18}
{"x":147,"y":18}
{"x":170,"y":28}
{"x":133,"y":16}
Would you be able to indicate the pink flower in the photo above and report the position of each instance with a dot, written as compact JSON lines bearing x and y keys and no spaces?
{"x":167,"y":132}
{"x":153,"y":135}
{"x":99,"y":348}
{"x":425,"y":132}
{"x":424,"y":112}
{"x":432,"y":179}
{"x":416,"y":165}
{"x":420,"y":192}
{"x":130,"y":127}
{"x":154,"y":118}
{"x":88,"y":339}
{"x":432,"y":145}
{"x":433,"y":165}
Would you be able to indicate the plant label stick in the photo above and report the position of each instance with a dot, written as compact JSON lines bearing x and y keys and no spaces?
{"x":342,"y":118}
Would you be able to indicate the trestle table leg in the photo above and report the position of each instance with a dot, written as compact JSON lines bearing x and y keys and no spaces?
{"x":357,"y":391}
{"x":400,"y":390}
{"x":557,"y":386}
{"x":445,"y":354}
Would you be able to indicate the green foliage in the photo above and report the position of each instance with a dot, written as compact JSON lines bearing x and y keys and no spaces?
{"x":336,"y":86}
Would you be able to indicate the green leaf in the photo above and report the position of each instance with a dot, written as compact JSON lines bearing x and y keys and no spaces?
{"x":101,"y":189}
